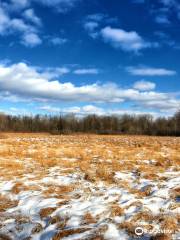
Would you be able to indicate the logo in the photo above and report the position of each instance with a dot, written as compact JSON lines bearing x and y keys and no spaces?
{"x":139,"y":231}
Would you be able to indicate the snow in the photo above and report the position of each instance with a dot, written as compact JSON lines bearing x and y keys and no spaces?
{"x":114,"y":234}
{"x":6,"y":186}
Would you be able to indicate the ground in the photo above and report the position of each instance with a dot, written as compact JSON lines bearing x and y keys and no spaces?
{"x":89,"y":187}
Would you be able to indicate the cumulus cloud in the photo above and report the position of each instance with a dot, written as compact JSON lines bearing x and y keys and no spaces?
{"x":162,"y":19}
{"x":60,"y":5}
{"x":144,"y":85}
{"x":85,"y":71}
{"x":15,"y":5}
{"x":127,"y":41}
{"x":4,"y":21}
{"x":23,"y":81}
{"x":27,"y":32}
{"x":92,"y":109}
{"x":84,"y":110}
{"x":97,"y":17}
{"x":149,"y":71}
{"x":19,"y":25}
{"x":50,"y":109}
{"x":26,"y":24}
{"x":169,"y":3}
{"x":31,"y":39}
{"x":101,"y":18}
{"x":30,"y":15}
{"x":57,"y":41}
{"x":170,"y":105}
{"x":90,"y":26}
{"x":53,"y":72}
{"x":163,"y":14}
{"x":94,"y":22}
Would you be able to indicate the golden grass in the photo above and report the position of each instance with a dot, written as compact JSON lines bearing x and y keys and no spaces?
{"x":96,"y":158}
{"x":59,"y":191}
{"x":45,"y":212}
{"x":68,"y":232}
{"x":88,"y":219}
{"x":6,"y":203}
{"x":4,"y":237}
{"x":18,"y":187}
{"x":116,"y":211}
{"x":162,"y":237}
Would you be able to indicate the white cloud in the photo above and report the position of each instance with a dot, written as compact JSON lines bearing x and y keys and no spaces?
{"x":101,"y":18}
{"x":28,"y":33}
{"x":92,"y":109}
{"x":162,"y":19}
{"x":93,"y":22}
{"x":84,"y":110}
{"x":74,"y":110}
{"x":19,"y":25}
{"x":85,"y":71}
{"x":4,"y":21}
{"x":53,"y":72}
{"x":30,"y":15}
{"x":97,"y":17}
{"x":26,"y":82}
{"x":57,"y":41}
{"x":15,"y":5}
{"x":171,"y":105}
{"x":168,"y":3}
{"x":60,"y":5}
{"x":90,"y":26}
{"x":127,"y":41}
{"x":20,"y":3}
{"x":144,"y":85}
{"x":50,"y":109}
{"x":7,"y":96}
{"x":31,"y":39}
{"x":149,"y":71}
{"x":165,"y":9}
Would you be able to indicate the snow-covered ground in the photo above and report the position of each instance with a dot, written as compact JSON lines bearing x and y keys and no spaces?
{"x":64,"y":188}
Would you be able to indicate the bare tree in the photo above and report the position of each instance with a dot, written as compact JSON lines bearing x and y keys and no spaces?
{"x":65,"y":124}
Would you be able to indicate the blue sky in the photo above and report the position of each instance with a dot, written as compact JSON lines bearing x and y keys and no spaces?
{"x":90,"y":56}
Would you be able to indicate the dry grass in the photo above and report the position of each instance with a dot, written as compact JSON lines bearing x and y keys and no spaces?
{"x":97,"y":158}
{"x":88,"y":219}
{"x":162,"y":237}
{"x":18,"y":187}
{"x":4,"y":237}
{"x":52,"y":150}
{"x":6,"y":203}
{"x":68,"y":232}
{"x":170,"y":222}
{"x":45,"y":212}
{"x":116,"y":210}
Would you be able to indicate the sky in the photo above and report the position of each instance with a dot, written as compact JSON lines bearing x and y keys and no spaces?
{"x":90,"y":56}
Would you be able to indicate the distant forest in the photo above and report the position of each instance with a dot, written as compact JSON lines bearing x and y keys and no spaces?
{"x":66,"y":124}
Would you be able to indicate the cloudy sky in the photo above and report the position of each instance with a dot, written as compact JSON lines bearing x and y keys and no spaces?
{"x":90,"y":56}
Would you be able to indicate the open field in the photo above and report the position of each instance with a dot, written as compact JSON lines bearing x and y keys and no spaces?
{"x":89,"y":187}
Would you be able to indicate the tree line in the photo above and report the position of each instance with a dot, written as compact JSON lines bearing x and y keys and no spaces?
{"x":66,"y":124}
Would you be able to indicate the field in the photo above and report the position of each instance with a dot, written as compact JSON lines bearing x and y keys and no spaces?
{"x":89,"y":187}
